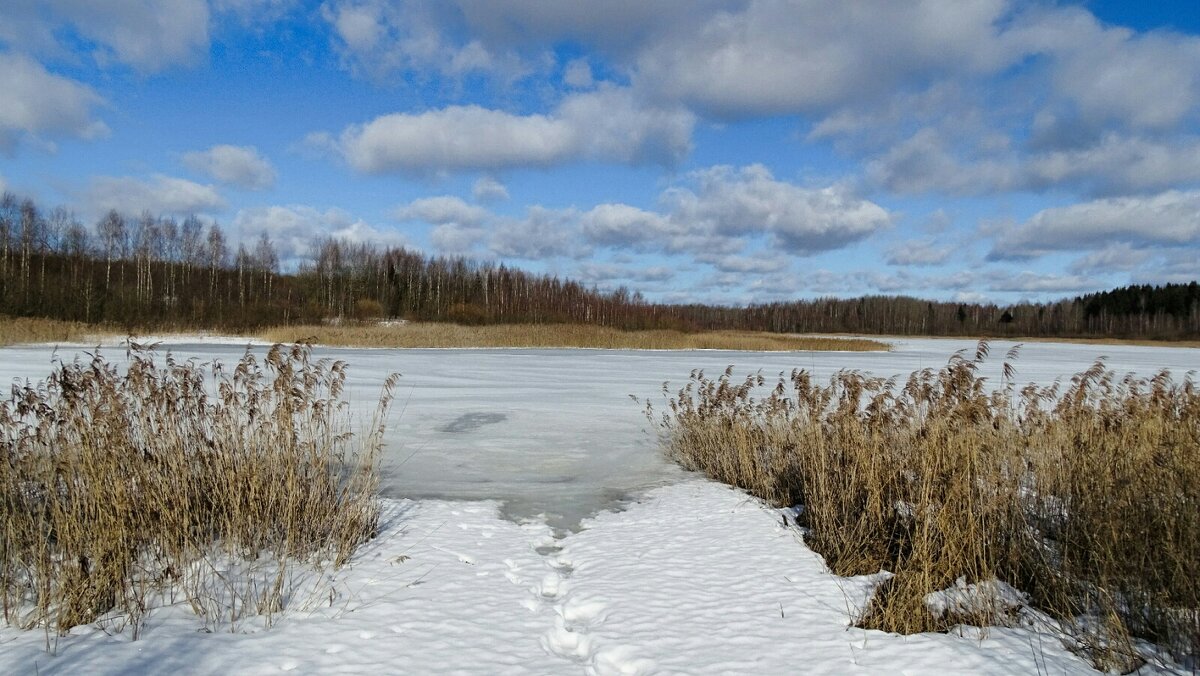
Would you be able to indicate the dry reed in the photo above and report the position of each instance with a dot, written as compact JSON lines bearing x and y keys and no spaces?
{"x":17,"y":330}
{"x":124,"y":486}
{"x":419,"y":335}
{"x":1086,"y":499}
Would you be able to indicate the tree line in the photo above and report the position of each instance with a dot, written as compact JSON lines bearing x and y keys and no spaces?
{"x":149,"y":271}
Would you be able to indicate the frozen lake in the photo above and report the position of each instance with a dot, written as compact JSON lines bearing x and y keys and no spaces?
{"x":554,"y":432}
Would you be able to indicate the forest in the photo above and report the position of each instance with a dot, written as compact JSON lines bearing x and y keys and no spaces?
{"x":148,"y":271}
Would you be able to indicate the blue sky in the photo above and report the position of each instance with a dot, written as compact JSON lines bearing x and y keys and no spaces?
{"x":728,"y":151}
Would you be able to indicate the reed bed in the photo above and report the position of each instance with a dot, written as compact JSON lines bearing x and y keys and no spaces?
{"x":17,"y":330}
{"x":126,"y":488}
{"x":418,"y":335}
{"x":1084,"y":497}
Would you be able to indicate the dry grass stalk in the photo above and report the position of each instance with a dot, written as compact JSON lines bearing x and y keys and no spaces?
{"x":1086,"y":499}
{"x":120,"y":488}
{"x":418,"y":335}
{"x":17,"y":330}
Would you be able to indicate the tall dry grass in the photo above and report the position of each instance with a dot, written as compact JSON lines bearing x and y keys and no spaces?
{"x":1087,"y":499}
{"x":418,"y":335}
{"x":16,"y":330}
{"x":123,"y":487}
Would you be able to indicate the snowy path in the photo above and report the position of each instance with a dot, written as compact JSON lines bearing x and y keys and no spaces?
{"x":695,"y":579}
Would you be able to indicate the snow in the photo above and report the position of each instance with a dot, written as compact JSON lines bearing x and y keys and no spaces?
{"x":531,"y":527}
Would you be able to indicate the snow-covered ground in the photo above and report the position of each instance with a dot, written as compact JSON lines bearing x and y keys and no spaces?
{"x":534,"y":529}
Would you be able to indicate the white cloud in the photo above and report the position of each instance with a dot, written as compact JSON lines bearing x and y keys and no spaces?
{"x":1171,"y":218}
{"x":37,"y":102}
{"x":158,"y":194}
{"x":149,"y":35}
{"x":1118,"y":164}
{"x":578,"y":74}
{"x":761,"y":264}
{"x":296,"y":228}
{"x":453,"y":239}
{"x":925,"y":162}
{"x":1178,"y":267}
{"x":487,"y":190}
{"x":712,"y":217}
{"x":543,"y":233}
{"x":607,"y":125}
{"x":380,"y":39}
{"x":440,"y":211}
{"x":926,"y":251}
{"x":1117,"y":257}
{"x":750,"y":200}
{"x":1037,"y":283}
{"x":777,"y":56}
{"x":609,"y":275}
{"x":625,"y":226}
{"x":1144,"y":80}
{"x":238,"y":166}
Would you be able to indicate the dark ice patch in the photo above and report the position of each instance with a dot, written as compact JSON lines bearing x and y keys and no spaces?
{"x":469,"y":422}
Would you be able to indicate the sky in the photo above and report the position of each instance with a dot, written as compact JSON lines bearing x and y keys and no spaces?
{"x":721,"y":151}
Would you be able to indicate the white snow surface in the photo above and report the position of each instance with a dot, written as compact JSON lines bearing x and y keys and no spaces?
{"x":532,"y":528}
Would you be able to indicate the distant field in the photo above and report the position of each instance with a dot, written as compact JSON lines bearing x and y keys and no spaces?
{"x":559,"y":335}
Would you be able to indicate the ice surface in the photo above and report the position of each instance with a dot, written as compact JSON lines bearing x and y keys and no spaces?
{"x":554,"y":432}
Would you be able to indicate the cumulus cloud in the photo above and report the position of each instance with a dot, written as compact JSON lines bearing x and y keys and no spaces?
{"x":927,"y":162}
{"x":454,"y":239}
{"x":1144,"y":80}
{"x":502,"y":38}
{"x":148,"y":35}
{"x":924,"y":89}
{"x":762,"y":264}
{"x":441,"y":210}
{"x":1112,"y":164}
{"x":380,"y":39}
{"x":487,"y":190}
{"x":609,"y":276}
{"x":543,"y":233}
{"x":925,"y":251}
{"x":237,"y":166}
{"x":607,"y":125}
{"x":37,"y":102}
{"x":713,"y":217}
{"x":296,"y":228}
{"x":577,"y":73}
{"x":773,"y":56}
{"x":1117,"y":257}
{"x":157,"y":194}
{"x":1171,"y":218}
{"x":1101,"y":109}
{"x":1039,"y":283}
{"x":625,"y":226}
{"x":1178,"y":267}
{"x":801,"y":220}
{"x":1117,"y":164}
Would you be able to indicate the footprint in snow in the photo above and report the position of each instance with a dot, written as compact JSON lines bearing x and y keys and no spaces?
{"x":552,"y":586}
{"x":561,"y":564}
{"x":583,"y":613}
{"x":620,"y":661}
{"x":567,"y":643}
